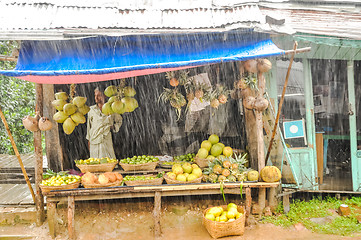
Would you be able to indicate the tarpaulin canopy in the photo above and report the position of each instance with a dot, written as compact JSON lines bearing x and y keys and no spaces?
{"x":105,"y":58}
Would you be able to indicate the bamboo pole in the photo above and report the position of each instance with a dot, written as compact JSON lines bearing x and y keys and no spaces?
{"x":281,"y":101}
{"x":17,"y":154}
{"x":39,"y":203}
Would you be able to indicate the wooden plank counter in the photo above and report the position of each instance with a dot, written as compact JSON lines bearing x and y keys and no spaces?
{"x":86,"y":194}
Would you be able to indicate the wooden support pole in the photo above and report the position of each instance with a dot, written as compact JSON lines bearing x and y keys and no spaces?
{"x":71,"y":213}
{"x":39,"y":203}
{"x":17,"y":154}
{"x":286,"y":203}
{"x":156,"y":213}
{"x":272,"y":199}
{"x":261,"y":200}
{"x":51,"y":213}
{"x":248,"y":204}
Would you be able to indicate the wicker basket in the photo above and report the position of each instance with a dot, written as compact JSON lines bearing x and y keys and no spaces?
{"x":139,"y":167}
{"x":103,"y":167}
{"x":223,"y":229}
{"x":156,"y":181}
{"x":171,"y":181}
{"x":201,"y":162}
{"x":46,"y":189}
{"x":98,"y":185}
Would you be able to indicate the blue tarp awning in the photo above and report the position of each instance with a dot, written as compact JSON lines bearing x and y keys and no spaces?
{"x":105,"y":58}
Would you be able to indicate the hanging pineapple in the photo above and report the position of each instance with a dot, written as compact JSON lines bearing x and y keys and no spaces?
{"x":175,"y":98}
{"x":173,"y":81}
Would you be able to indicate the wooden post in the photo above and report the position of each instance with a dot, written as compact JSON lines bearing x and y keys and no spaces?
{"x":286,"y":203}
{"x":17,"y":154}
{"x":272,"y":199}
{"x":51,"y":213}
{"x":40,"y":214}
{"x":54,"y":152}
{"x":156,"y":214}
{"x":71,"y":212}
{"x":248,"y":203}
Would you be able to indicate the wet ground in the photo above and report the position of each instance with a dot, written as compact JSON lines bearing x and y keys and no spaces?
{"x":93,"y":223}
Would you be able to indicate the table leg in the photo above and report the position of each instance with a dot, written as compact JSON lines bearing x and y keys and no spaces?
{"x":261,"y":200}
{"x":272,"y":200}
{"x":156,"y":213}
{"x":71,"y":211}
{"x":51,"y":214}
{"x":286,"y":203}
{"x":248,"y":203}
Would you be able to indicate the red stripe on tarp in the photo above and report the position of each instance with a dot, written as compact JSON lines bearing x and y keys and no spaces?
{"x":69,"y":79}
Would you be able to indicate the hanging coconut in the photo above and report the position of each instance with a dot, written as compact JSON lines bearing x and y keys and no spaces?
{"x":68,"y":126}
{"x":110,"y":91}
{"x":246,"y":92}
{"x":128,"y":91}
{"x":78,"y":117}
{"x":260,"y":104}
{"x":118,"y":107}
{"x":248,"y":102}
{"x":60,"y":117}
{"x":79,"y":101}
{"x":264,"y":65}
{"x":251,"y":66}
{"x":112,"y":99}
{"x":61,"y":96}
{"x":45,"y":124}
{"x":84,"y":109}
{"x":130,"y":104}
{"x":69,"y":109}
{"x":58,"y":104}
{"x":107,"y":109}
{"x":30,"y":123}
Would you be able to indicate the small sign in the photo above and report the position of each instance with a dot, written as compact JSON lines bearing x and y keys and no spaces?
{"x":294,"y":129}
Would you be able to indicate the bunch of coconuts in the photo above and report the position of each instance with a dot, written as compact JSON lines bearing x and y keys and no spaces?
{"x":252,"y":67}
{"x":120,"y":100}
{"x":37,"y":123}
{"x":70,"y":113}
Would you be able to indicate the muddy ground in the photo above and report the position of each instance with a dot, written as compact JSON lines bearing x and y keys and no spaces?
{"x":134,"y":220}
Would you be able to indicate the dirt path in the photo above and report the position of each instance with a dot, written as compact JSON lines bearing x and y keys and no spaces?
{"x":92,"y":224}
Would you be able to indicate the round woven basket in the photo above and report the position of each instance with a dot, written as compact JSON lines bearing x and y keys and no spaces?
{"x":139,"y":167}
{"x":103,"y":167}
{"x":201,"y":162}
{"x":113,"y":184}
{"x":156,"y":181}
{"x":46,"y":189}
{"x":171,"y":181}
{"x":223,"y":229}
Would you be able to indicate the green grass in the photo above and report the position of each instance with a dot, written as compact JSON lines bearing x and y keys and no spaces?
{"x":301,"y":212}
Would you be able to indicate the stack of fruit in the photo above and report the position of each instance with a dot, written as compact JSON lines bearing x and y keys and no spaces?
{"x":121,"y":99}
{"x":212,"y":148}
{"x":184,"y":173}
{"x":185,"y":158}
{"x":219,"y":214}
{"x":59,"y":179}
{"x":227,"y":169}
{"x":139,"y":159}
{"x":70,"y":113}
{"x":107,"y":178}
{"x":92,"y":161}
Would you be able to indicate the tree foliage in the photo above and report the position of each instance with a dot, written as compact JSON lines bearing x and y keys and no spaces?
{"x":17,"y":99}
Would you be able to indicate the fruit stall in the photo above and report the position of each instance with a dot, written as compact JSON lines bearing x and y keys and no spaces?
{"x":170,"y":78}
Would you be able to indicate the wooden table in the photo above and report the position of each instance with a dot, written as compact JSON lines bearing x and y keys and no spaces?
{"x":86,"y":194}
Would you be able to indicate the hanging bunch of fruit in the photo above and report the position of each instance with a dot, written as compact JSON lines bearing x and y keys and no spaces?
{"x":71,"y":109}
{"x":248,"y":83}
{"x":121,"y":99}
{"x":218,"y":96}
{"x":175,"y":99}
{"x":37,"y":123}
{"x":226,"y":169}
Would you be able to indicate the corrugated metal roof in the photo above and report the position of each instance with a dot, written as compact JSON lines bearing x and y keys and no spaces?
{"x":24,"y":17}
{"x":342,"y":21}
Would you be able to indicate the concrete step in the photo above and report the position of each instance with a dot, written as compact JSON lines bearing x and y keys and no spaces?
{"x":13,"y":215}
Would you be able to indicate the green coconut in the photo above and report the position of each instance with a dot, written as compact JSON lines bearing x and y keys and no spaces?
{"x":60,"y":117}
{"x":110,"y":91}
{"x":79,"y":101}
{"x":61,"y":95}
{"x":118,"y":107}
{"x":84,"y":109}
{"x":68,"y":126}
{"x":78,"y":117}
{"x":107,"y":109}
{"x":128,"y":91}
{"x":59,"y":104}
{"x":130,"y":104}
{"x":69,"y":109}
